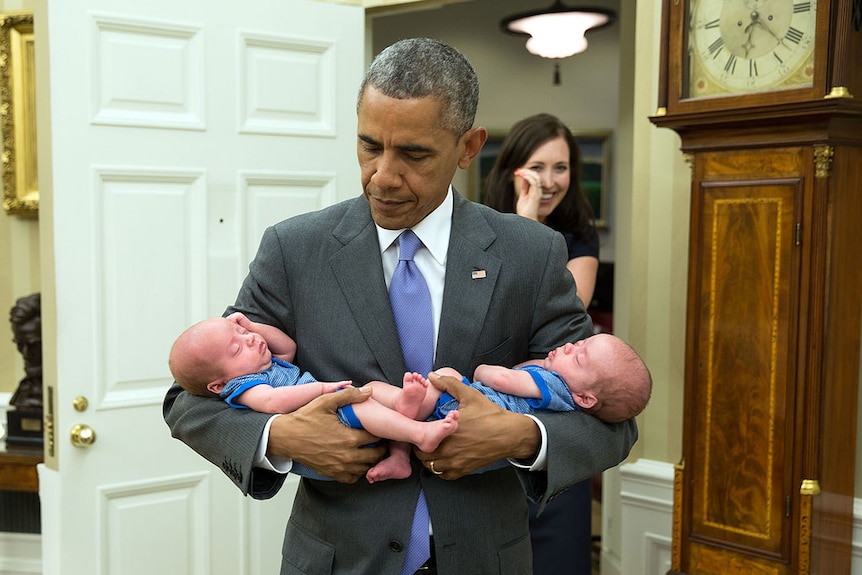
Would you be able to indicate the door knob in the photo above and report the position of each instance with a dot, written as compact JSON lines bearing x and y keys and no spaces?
{"x":83,"y":435}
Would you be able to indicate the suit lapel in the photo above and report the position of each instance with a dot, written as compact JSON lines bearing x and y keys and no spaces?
{"x":471,"y":274}
{"x":358,"y":269}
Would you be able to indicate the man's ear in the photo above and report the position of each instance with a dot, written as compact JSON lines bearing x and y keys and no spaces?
{"x":473,"y":140}
{"x":585,"y":400}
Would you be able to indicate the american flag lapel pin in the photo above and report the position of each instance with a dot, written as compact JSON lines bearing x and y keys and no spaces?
{"x":478,"y":274}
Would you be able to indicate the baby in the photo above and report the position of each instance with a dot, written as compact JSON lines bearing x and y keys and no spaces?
{"x":247,"y":365}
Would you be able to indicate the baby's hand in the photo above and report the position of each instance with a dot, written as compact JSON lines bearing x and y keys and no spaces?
{"x":239,"y":318}
{"x":330,"y":386}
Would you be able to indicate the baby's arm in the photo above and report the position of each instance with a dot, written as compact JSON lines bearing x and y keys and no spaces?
{"x":267,"y":399}
{"x":280,"y":344}
{"x":505,"y":380}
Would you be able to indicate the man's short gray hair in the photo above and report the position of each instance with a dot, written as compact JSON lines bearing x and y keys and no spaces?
{"x":425,"y":68}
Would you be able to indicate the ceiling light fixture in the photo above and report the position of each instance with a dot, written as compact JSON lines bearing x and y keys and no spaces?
{"x":557,"y":32}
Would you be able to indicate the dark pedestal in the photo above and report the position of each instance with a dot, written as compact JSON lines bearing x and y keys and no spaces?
{"x":24,"y":428}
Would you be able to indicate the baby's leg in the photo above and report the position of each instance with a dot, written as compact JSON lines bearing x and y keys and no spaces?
{"x":396,"y":465}
{"x":413,"y":390}
{"x":402,"y":431}
{"x":450,"y":371}
{"x":406,"y":400}
{"x":415,"y":399}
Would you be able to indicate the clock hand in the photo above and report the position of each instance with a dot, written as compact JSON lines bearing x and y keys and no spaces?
{"x":747,"y":46}
{"x":757,"y":20}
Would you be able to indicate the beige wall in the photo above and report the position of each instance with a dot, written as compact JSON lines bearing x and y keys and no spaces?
{"x":19,"y":276}
{"x":19,"y":269}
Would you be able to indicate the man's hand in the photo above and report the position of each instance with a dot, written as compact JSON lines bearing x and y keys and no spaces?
{"x":486,"y":433}
{"x":313,"y":436}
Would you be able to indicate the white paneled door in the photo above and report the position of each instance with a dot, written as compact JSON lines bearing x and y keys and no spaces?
{"x":170,"y":134}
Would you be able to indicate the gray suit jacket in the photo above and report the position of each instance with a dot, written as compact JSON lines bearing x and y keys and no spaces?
{"x":319,"y":278}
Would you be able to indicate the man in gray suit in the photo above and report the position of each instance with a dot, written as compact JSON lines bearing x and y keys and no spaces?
{"x":501,"y":294}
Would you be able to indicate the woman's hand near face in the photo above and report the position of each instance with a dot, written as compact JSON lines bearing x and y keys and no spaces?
{"x":528,"y":189}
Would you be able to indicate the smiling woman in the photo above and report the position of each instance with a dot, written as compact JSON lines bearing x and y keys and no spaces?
{"x":595,"y":171}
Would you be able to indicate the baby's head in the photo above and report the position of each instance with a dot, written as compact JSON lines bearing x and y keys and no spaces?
{"x":625,"y":384}
{"x":606,"y":376}
{"x":212,"y":352}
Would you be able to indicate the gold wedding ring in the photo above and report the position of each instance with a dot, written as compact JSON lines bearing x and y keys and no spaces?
{"x":434,"y":471}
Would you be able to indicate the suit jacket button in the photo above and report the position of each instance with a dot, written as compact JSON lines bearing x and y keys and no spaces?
{"x":396,"y":546}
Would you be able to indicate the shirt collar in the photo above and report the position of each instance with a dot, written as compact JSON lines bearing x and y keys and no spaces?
{"x":433,"y":231}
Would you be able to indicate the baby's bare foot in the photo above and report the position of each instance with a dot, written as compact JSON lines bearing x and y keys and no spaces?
{"x":413,"y":389}
{"x":396,"y":466}
{"x":437,"y":431}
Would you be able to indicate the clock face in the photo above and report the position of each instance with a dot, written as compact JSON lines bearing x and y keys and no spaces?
{"x":746,"y":46}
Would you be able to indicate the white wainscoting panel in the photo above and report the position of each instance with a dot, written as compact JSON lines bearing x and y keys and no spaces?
{"x":646,"y":494}
{"x":147,"y":73}
{"x":287,"y":84}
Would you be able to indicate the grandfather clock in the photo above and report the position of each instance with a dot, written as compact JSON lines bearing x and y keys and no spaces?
{"x":766,"y":96}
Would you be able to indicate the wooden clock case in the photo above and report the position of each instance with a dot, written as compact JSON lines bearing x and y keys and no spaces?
{"x":774,"y":311}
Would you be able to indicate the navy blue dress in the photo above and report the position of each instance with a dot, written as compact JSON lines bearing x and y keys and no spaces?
{"x":562,"y":535}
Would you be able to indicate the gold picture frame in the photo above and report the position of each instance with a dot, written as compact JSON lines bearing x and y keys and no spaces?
{"x":18,"y":114}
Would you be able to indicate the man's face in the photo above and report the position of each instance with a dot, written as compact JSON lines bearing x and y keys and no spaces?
{"x":407,"y":158}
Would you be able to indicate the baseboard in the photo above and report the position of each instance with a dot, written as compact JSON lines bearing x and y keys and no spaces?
{"x":20,"y":554}
{"x":856,"y":565}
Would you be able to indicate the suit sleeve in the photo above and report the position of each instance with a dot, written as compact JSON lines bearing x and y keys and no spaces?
{"x":229,"y":437}
{"x":579,"y":445}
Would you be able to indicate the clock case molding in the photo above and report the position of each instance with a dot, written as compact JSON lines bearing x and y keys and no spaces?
{"x":774,"y":311}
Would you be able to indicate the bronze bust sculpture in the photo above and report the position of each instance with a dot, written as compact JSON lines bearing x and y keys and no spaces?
{"x":25,"y":417}
{"x":26,"y":318}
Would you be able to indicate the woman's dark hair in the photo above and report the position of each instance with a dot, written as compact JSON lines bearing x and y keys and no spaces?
{"x":574,"y":214}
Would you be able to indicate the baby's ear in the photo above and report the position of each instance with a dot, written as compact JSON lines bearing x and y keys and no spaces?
{"x":216,"y":386}
{"x":585,"y":400}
